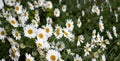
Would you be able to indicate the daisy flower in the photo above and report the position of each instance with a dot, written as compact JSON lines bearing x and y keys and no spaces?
{"x":2,"y":33}
{"x":103,"y":43}
{"x":18,"y":8}
{"x":97,"y":39}
{"x":56,"y":12}
{"x":37,"y":17}
{"x":66,"y":32}
{"x":41,"y":35}
{"x":25,"y":14}
{"x":101,"y":25}
{"x":58,"y":32}
{"x":11,"y":41}
{"x":35,"y":23}
{"x":30,"y":5}
{"x":30,"y":31}
{"x":48,"y":29}
{"x":13,"y":21}
{"x":64,"y":8}
{"x":93,"y":43}
{"x":49,"y":20}
{"x":29,"y":57}
{"x":41,"y":2}
{"x":103,"y":58}
{"x":40,"y":44}
{"x":79,"y":23}
{"x":14,"y":53}
{"x":80,"y":39}
{"x":49,"y":4}
{"x":1,"y":4}
{"x":60,"y":46}
{"x":114,"y":31}
{"x":71,"y":37}
{"x":87,"y":49}
{"x":95,"y":9}
{"x":10,"y":2}
{"x":109,"y":35}
{"x":69,"y":24}
{"x":52,"y":55}
{"x":22,"y":21}
{"x":16,"y":34}
{"x":83,"y":13}
{"x":94,"y":34}
{"x":77,"y":58}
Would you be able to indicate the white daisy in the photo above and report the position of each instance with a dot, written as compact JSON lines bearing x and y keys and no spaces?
{"x":40,"y":44}
{"x":60,"y":46}
{"x":30,"y":31}
{"x":37,"y":17}
{"x":13,"y":21}
{"x":2,"y":33}
{"x":52,"y":55}
{"x":49,"y":4}
{"x":114,"y":31}
{"x":16,"y":34}
{"x":25,"y":14}
{"x":41,"y":35}
{"x":14,"y":53}
{"x":30,"y":5}
{"x":101,"y":25}
{"x":11,"y":41}
{"x":1,"y":4}
{"x":69,"y":24}
{"x":98,"y":38}
{"x":29,"y":57}
{"x":49,"y":20}
{"x":94,"y":34}
{"x":71,"y":37}
{"x":79,"y":23}
{"x":77,"y":58}
{"x":56,"y":12}
{"x":35,"y":23}
{"x":87,"y":49}
{"x":95,"y":9}
{"x":83,"y":13}
{"x":103,"y":58}
{"x":109,"y":35}
{"x":48,"y":29}
{"x":58,"y":32}
{"x":64,"y":8}
{"x":80,"y":39}
{"x":22,"y":21}
{"x":66,"y":32}
{"x":18,"y":8}
{"x":10,"y":2}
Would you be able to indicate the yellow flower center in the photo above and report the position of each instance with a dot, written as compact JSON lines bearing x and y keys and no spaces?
{"x":2,"y":33}
{"x":12,"y":21}
{"x":28,"y":59}
{"x":41,"y":35}
{"x":39,"y":44}
{"x":30,"y":31}
{"x":87,"y":49}
{"x":58,"y":31}
{"x":66,"y":33}
{"x":17,"y":8}
{"x":25,"y":14}
{"x":69,"y":25}
{"x":16,"y":34}
{"x":47,"y":30}
{"x":53,"y":57}
{"x":59,"y":46}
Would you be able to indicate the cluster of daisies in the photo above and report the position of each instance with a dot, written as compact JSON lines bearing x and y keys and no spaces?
{"x":17,"y":16}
